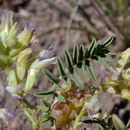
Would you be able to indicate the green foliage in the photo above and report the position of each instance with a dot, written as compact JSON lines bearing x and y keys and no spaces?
{"x":119,"y":125}
{"x":97,"y":51}
{"x":51,"y":77}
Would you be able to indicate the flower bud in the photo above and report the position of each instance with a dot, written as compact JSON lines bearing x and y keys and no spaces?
{"x":7,"y":29}
{"x":25,"y":36}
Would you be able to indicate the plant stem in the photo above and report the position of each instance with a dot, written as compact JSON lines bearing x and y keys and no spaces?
{"x":27,"y":113}
{"x":78,"y":118}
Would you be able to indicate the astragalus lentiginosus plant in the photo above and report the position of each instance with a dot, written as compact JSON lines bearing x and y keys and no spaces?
{"x":71,"y":98}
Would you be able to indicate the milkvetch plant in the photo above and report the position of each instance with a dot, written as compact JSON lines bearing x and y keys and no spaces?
{"x":70,"y":98}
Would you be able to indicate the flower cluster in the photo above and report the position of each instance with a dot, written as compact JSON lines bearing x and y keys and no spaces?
{"x":117,"y":81}
{"x":16,"y":57}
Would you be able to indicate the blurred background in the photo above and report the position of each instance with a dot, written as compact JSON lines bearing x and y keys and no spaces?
{"x":64,"y":23}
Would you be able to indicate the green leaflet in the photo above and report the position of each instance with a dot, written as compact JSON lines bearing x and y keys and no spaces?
{"x":60,"y":97}
{"x":46,"y":106}
{"x":68,"y":60}
{"x":99,"y":127}
{"x":77,"y":80}
{"x":99,"y":60}
{"x":109,"y":41}
{"x":75,"y":54}
{"x":118,"y":123}
{"x":90,"y":69}
{"x":51,"y":77}
{"x":81,"y":54}
{"x":108,"y":58}
{"x":82,"y":69}
{"x":91,"y":48}
{"x":44,"y":94}
{"x":61,"y":69}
